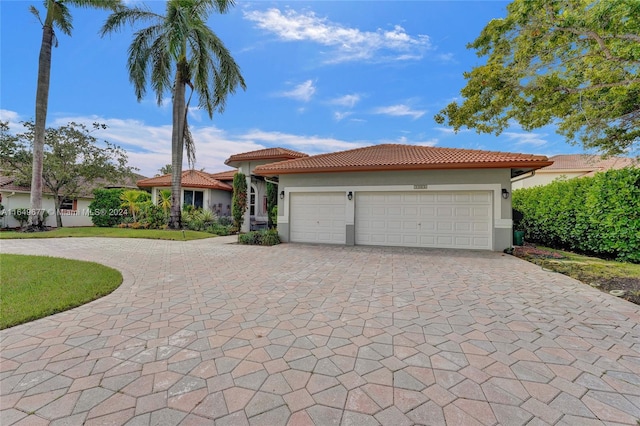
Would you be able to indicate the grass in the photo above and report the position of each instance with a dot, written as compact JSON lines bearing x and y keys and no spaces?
{"x":606,"y":275}
{"x":34,"y":287}
{"x":154,"y":234}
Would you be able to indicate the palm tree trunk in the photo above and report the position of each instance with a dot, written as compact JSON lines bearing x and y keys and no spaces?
{"x":42,"y":103}
{"x":177,"y":150}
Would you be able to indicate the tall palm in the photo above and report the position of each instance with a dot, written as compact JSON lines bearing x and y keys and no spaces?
{"x":58,"y":16}
{"x":176,"y":51}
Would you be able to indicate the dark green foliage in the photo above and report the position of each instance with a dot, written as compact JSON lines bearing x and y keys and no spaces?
{"x":265,"y":237}
{"x":239,"y":200}
{"x":106,"y":201}
{"x":598,"y":215}
{"x":153,"y":216}
{"x":272,"y":202}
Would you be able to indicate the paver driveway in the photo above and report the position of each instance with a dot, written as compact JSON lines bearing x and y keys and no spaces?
{"x":203,"y":332}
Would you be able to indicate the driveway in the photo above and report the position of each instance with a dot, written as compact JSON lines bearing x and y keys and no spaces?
{"x":203,"y":332}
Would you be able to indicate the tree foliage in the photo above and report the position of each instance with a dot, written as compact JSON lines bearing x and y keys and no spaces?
{"x":178,"y":50}
{"x":106,"y":207}
{"x":571,"y":63}
{"x":239,"y":199}
{"x":599,"y":215}
{"x":73,"y":160}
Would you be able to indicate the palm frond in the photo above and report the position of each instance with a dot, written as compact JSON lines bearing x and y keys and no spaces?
{"x":61,"y":17}
{"x":97,"y":4}
{"x":36,"y":13}
{"x":189,"y":143}
{"x":127,"y":16}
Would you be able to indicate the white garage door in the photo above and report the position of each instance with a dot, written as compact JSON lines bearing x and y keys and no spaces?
{"x":318,"y":217}
{"x":454,"y":219}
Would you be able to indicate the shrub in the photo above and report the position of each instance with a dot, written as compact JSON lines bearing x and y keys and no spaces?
{"x":598,"y":215}
{"x":239,"y":199}
{"x":225,"y":220}
{"x":22,"y":216}
{"x":153,"y":216}
{"x":106,"y":201}
{"x":265,"y":237}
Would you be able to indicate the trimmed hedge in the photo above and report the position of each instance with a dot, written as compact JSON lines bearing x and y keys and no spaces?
{"x":105,"y":207}
{"x":265,"y":237}
{"x":598,"y":215}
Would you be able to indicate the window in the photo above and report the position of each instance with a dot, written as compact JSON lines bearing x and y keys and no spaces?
{"x":68,"y":204}
{"x":194,"y":198}
{"x":252,"y":202}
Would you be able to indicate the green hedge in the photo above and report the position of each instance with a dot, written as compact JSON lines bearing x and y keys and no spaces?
{"x":598,"y":215}
{"x":105,"y":207}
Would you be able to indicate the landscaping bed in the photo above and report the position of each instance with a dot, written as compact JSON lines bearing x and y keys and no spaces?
{"x":605,"y":275}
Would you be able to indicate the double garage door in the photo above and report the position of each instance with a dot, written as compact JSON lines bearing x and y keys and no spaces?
{"x":452,"y":219}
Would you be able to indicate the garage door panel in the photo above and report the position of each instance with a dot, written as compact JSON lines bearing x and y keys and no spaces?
{"x":318,"y":218}
{"x":455,"y":219}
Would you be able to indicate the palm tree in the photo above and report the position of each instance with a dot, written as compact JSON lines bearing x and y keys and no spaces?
{"x":58,"y":16}
{"x":176,"y":51}
{"x":130,"y":200}
{"x":164,"y":201}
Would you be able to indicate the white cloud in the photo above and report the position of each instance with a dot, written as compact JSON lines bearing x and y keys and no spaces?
{"x":349,"y":44}
{"x":406,"y":141}
{"x":302,"y":92}
{"x":339,"y":116}
{"x":399,"y":110}
{"x":348,"y":101}
{"x":526,"y":138}
{"x":307,"y":144}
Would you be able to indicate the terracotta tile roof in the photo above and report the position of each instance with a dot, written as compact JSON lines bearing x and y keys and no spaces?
{"x":7,"y":183}
{"x":586,"y":162}
{"x":266,"y":154}
{"x":403,"y":157}
{"x":224,"y":176}
{"x":190,"y":178}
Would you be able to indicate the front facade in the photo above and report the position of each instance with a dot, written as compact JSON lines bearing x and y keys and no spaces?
{"x":400,"y":195}
{"x":199,"y":189}
{"x":256,"y":215}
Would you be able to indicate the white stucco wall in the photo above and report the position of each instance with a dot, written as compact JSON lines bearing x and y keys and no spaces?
{"x":545,"y":178}
{"x":21,"y":200}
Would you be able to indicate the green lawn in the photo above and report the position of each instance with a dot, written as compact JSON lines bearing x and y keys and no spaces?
{"x":605,"y":275}
{"x":33,"y":287}
{"x":154,"y":234}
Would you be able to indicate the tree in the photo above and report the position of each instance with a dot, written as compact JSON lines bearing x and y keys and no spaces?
{"x":58,"y":15}
{"x":164,"y":170}
{"x":176,"y":51}
{"x":73,"y":161}
{"x":572,"y":63}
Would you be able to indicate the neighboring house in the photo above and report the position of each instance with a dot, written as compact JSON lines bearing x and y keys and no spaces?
{"x":569,"y":167}
{"x":199,"y":189}
{"x":396,"y":195}
{"x":256,"y":216}
{"x":73,"y":212}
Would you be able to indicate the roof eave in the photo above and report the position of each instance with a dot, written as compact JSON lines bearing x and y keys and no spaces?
{"x":450,"y":166}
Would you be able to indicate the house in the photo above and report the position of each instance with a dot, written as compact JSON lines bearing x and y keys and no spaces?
{"x":394,"y":195}
{"x":199,"y":189}
{"x":257,"y":216}
{"x":73,"y":212}
{"x":569,"y":167}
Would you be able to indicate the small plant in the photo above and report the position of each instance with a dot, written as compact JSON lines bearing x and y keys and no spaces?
{"x":266,"y":237}
{"x":22,"y":216}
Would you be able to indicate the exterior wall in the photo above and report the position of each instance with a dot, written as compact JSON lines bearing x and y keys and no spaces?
{"x":544,"y":178}
{"x":423,"y":180}
{"x":215,"y":200}
{"x":260,"y":187}
{"x":21,"y":200}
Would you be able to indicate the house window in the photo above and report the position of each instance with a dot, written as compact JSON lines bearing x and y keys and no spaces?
{"x":194,"y":198}
{"x":252,"y":202}
{"x":68,"y":204}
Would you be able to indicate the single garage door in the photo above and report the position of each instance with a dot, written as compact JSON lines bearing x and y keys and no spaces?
{"x":454,"y":219}
{"x":317,"y":217}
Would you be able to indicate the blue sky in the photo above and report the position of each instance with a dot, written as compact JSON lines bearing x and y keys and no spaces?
{"x":321,"y":76}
